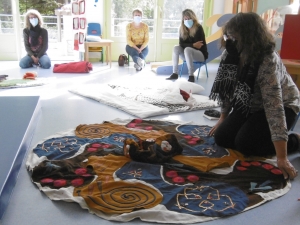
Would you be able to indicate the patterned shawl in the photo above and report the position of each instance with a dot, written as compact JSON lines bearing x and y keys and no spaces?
{"x":233,"y":82}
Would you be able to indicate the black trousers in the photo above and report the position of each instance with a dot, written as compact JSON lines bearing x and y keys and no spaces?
{"x":250,"y":136}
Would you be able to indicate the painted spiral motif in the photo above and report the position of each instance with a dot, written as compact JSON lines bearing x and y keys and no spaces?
{"x":91,"y":131}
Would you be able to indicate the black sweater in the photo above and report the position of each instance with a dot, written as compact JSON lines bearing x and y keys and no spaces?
{"x":44,"y":46}
{"x":199,"y":36}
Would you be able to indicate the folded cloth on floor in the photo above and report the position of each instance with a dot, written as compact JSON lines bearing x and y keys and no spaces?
{"x":73,"y":67}
{"x":30,"y":75}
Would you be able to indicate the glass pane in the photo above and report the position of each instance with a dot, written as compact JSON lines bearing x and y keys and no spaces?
{"x":6,"y":19}
{"x":172,"y":15}
{"x":121,"y":15}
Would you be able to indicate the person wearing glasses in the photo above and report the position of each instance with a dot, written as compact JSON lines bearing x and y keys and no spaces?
{"x":259,"y":100}
{"x":192,"y":45}
{"x":35,"y":41}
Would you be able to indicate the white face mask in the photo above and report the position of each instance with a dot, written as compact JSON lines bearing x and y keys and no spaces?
{"x":34,"y":21}
{"x":188,"y":23}
{"x":137,"y":19}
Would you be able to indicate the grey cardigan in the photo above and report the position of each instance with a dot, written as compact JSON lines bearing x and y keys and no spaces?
{"x":274,"y":89}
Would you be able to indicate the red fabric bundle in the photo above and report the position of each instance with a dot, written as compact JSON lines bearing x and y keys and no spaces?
{"x":73,"y":67}
{"x":185,"y":95}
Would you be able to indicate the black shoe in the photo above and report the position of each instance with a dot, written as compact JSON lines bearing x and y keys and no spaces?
{"x":293,"y":144}
{"x":191,"y":79}
{"x":174,"y":76}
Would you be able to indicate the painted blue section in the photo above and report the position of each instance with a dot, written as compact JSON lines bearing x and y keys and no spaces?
{"x":18,"y":118}
{"x":224,"y":18}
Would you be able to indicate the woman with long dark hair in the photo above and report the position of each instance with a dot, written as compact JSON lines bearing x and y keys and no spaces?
{"x":259,"y":100}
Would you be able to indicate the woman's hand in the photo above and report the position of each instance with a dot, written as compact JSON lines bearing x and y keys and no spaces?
{"x":283,"y":163}
{"x":198,"y":44}
{"x":287,"y":168}
{"x":213,"y":129}
{"x":138,"y":49}
{"x":35,"y":59}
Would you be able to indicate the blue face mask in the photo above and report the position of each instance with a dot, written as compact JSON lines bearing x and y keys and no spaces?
{"x":137,"y":19}
{"x":188,"y":23}
{"x":34,"y":21}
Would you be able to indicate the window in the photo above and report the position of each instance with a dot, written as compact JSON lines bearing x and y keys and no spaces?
{"x":6,"y":18}
{"x":121,"y":12}
{"x":172,"y":14}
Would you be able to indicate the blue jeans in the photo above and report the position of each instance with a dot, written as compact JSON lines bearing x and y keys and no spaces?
{"x":134,"y":53}
{"x":27,"y":62}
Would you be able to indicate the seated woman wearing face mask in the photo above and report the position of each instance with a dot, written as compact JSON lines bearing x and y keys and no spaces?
{"x":35,"y":41}
{"x":192,"y":45}
{"x":137,"y":34}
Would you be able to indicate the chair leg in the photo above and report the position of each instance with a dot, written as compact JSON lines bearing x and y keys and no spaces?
{"x":102,"y":55}
{"x":206,"y":70}
{"x":128,"y":59}
{"x":199,"y":72}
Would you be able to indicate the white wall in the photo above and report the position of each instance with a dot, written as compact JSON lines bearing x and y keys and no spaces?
{"x":219,"y":6}
{"x":95,"y":12}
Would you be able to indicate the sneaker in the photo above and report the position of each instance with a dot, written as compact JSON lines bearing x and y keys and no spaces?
{"x":141,"y":62}
{"x":174,"y":76}
{"x":191,"y":79}
{"x":293,"y":144}
{"x":137,"y":67}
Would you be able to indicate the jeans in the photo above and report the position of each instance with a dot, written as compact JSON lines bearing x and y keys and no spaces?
{"x":134,"y":53}
{"x":27,"y":62}
{"x":188,"y":54}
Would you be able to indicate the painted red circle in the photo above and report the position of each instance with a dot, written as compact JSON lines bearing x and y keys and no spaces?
{"x":276,"y":171}
{"x":245,"y":164}
{"x":192,"y":142}
{"x":267,"y":166}
{"x":255,"y":163}
{"x":86,"y":175}
{"x":92,"y":149}
{"x":192,"y":178}
{"x":96,"y":145}
{"x":178,"y":180}
{"x":171,"y":173}
{"x":138,"y":120}
{"x":81,"y":171}
{"x":59,"y":183}
{"x":77,"y":182}
{"x":241,"y":168}
{"x":46,"y":181}
{"x":131,"y":125}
